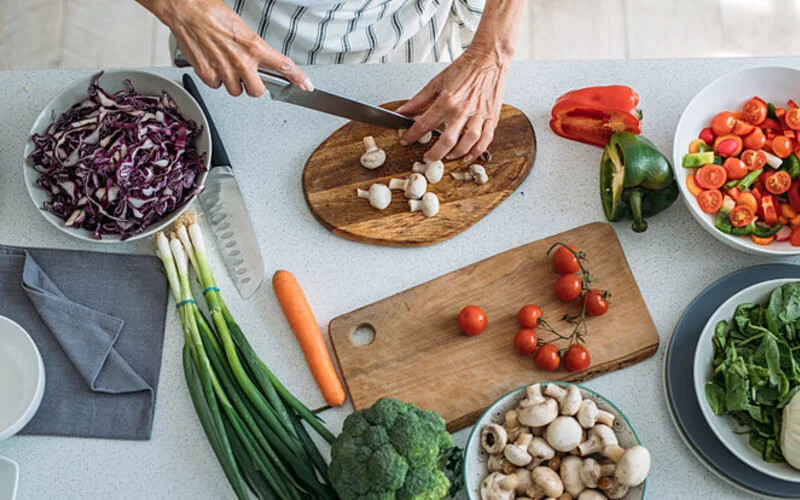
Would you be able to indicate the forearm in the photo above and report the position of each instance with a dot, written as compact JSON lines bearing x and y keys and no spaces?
{"x":499,"y":28}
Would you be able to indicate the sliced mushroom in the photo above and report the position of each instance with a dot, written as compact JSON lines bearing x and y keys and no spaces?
{"x":492,"y":490}
{"x":517,"y":452}
{"x":425,"y":139}
{"x":569,"y":399}
{"x":570,"y":473}
{"x":600,"y":436}
{"x":493,"y":439}
{"x":373,"y":157}
{"x":564,"y":434}
{"x":379,"y":195}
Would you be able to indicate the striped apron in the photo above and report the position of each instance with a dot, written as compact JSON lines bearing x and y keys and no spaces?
{"x":364,"y":31}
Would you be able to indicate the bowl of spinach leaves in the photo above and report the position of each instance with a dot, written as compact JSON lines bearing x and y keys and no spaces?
{"x":747,"y":368}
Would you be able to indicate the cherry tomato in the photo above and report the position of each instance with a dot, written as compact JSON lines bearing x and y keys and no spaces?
{"x":568,"y":287}
{"x":577,"y":358}
{"x":742,"y":128}
{"x":754,"y":159}
{"x":755,"y":139}
{"x":792,"y":118}
{"x":748,"y":200}
{"x":742,"y":215}
{"x":710,"y":177}
{"x":596,"y":302}
{"x":472,"y":320}
{"x":723,"y":123}
{"x":710,"y":201}
{"x":782,"y":146}
{"x":547,"y":358}
{"x":529,"y":316}
{"x":735,"y":168}
{"x":565,"y":261}
{"x":728,"y":145}
{"x":754,"y":111}
{"x":525,"y":342}
{"x":707,"y":135}
{"x":778,"y":183}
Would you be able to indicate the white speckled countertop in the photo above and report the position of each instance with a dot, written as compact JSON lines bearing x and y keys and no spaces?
{"x":268,"y":144}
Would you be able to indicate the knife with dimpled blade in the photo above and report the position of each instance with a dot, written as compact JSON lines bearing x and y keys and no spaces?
{"x":227,"y":214}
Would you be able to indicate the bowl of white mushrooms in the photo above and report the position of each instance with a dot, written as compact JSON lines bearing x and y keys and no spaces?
{"x":554,"y":441}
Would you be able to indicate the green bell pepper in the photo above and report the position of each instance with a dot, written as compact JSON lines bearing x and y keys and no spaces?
{"x":791,"y":165}
{"x":764,"y":231}
{"x":718,"y":160}
{"x":636,"y":180}
{"x":692,"y":160}
{"x":749,"y":179}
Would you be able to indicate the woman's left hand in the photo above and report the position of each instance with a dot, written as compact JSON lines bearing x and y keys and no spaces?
{"x":465,"y":99}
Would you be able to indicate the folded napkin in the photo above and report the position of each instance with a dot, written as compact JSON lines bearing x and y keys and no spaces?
{"x":98,"y":321}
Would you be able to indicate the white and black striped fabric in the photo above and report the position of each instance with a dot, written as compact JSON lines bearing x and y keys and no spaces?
{"x":364,"y":31}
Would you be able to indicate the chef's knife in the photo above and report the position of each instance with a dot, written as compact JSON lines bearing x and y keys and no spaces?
{"x":280,"y":89}
{"x":227,"y":214}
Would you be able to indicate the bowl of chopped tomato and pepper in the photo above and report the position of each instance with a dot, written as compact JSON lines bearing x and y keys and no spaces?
{"x":738,"y":142}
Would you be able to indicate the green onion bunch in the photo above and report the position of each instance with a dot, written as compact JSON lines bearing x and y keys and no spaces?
{"x":253,"y":423}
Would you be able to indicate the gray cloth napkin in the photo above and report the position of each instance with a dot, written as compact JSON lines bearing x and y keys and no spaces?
{"x":98,"y":321}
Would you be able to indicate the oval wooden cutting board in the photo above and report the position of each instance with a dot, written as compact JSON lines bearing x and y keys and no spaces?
{"x":333,"y":174}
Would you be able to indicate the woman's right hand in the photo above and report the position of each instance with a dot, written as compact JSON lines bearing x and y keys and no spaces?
{"x":221,"y":47}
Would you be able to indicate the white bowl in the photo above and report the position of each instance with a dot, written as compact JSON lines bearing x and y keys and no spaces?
{"x":113,"y":81}
{"x":475,"y":458}
{"x":9,"y":478}
{"x":724,"y":426}
{"x":728,"y":93}
{"x":21,"y":378}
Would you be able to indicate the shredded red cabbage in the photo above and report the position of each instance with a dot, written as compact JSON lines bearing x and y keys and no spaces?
{"x":117,"y":163}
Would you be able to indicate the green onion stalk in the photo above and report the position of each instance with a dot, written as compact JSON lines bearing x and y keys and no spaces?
{"x":255,"y":426}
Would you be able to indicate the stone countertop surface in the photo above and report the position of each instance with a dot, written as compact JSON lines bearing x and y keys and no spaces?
{"x":268,"y":143}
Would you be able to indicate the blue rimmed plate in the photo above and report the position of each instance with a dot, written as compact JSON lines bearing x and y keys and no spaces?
{"x":679,"y":384}
{"x":475,"y":458}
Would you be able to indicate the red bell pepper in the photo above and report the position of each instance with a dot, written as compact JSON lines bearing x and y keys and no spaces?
{"x":770,"y":214}
{"x":734,"y":193}
{"x":794,"y":195}
{"x":593,"y":114}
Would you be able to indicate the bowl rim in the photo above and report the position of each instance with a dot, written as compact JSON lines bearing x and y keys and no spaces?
{"x":699,"y":389}
{"x":29,"y":175}
{"x":741,"y":244}
{"x":491,"y":408}
{"x":14,"y":466}
{"x":36,"y":400}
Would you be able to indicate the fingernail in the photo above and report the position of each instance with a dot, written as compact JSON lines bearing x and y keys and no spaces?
{"x":307,"y":85}
{"x":403,"y":142}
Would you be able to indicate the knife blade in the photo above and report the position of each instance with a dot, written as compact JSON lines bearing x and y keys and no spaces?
{"x":280,"y":89}
{"x":227,"y":214}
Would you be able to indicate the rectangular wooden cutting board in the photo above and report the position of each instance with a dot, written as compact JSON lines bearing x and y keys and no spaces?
{"x":418,"y":354}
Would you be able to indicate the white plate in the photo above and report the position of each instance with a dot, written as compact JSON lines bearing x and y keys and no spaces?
{"x":724,"y":426}
{"x":728,"y":93}
{"x":113,"y":81}
{"x":9,"y":478}
{"x":475,"y":457}
{"x":21,"y":378}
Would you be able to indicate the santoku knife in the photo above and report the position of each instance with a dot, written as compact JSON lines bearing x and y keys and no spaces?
{"x":280,"y":89}
{"x":227,"y":214}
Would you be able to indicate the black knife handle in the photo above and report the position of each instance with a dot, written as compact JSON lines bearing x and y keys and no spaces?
{"x":218,"y":154}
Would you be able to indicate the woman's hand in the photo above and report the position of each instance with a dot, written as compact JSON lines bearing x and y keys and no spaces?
{"x":465,"y":99}
{"x":221,"y":47}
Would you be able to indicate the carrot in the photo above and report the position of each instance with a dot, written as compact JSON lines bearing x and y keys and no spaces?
{"x":692,"y":186}
{"x":761,"y":241}
{"x":787,"y":211}
{"x":301,"y":319}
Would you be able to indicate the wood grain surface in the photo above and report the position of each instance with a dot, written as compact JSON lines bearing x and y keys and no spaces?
{"x":418,"y":354}
{"x":333,"y":174}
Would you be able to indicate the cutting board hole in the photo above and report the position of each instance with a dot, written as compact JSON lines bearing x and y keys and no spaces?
{"x":363,"y":335}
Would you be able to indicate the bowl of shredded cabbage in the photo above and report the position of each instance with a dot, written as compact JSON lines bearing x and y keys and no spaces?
{"x":117,"y":156}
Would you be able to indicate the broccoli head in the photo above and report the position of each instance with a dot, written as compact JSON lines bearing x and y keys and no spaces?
{"x":391,"y":451}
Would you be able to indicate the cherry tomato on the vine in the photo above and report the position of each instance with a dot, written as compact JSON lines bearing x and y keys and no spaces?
{"x":547,"y":358}
{"x":526,"y":342}
{"x":565,"y":261}
{"x":529,"y":316}
{"x":596,"y":302}
{"x":568,"y":287}
{"x":577,"y":358}
{"x":472,"y":320}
